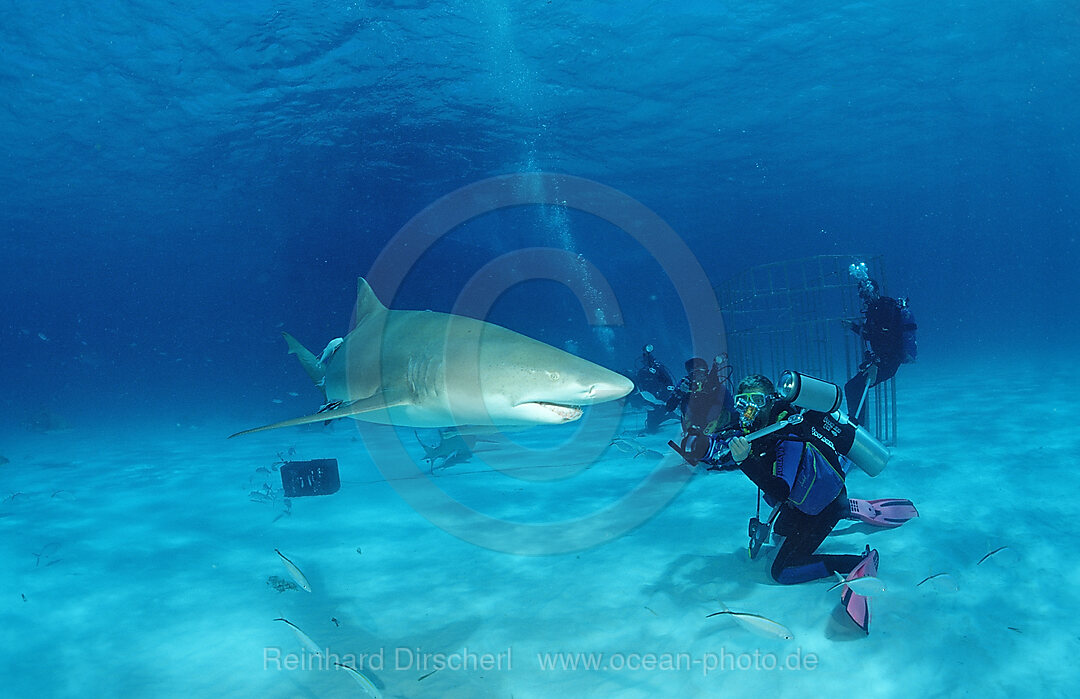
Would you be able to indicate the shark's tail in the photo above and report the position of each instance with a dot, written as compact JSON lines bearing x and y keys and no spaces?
{"x":307,"y":360}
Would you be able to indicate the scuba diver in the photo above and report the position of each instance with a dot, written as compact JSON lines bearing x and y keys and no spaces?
{"x":888,"y":336}
{"x":703,"y":397}
{"x":655,"y":385}
{"x":799,"y":465}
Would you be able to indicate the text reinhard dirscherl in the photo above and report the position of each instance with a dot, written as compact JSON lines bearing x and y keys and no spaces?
{"x":400,"y":659}
{"x":465,"y":660}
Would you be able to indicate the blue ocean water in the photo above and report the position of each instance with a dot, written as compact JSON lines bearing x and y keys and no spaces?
{"x":179,"y":181}
{"x":182,"y":182}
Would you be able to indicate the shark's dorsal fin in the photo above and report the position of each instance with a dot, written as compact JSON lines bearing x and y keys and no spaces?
{"x":367,"y":303}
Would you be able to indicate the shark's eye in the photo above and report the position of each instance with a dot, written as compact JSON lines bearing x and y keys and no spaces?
{"x":553,"y":375}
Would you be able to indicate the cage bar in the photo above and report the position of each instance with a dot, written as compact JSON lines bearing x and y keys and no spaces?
{"x":787,"y":315}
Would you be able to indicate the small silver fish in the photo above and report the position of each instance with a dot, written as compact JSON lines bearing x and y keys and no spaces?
{"x":928,"y":578}
{"x":367,"y":685}
{"x":760,"y":625}
{"x":867,"y":586}
{"x":997,"y":550}
{"x":298,"y":576}
{"x":304,"y":638}
{"x":940,"y":582}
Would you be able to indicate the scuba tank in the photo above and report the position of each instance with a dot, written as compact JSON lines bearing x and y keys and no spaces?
{"x":816,"y":395}
{"x":866,"y":452}
{"x":807,"y":392}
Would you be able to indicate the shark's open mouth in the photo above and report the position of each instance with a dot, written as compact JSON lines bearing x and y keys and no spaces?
{"x":566,"y":412}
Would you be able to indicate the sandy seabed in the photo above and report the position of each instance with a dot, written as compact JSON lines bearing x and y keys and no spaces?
{"x":139,"y":563}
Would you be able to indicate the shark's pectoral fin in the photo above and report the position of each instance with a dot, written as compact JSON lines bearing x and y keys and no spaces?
{"x":379,"y":401}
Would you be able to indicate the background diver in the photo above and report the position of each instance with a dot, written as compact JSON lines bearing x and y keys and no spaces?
{"x":702,"y":396}
{"x":655,"y":386}
{"x":888,"y":335}
{"x":802,"y":476}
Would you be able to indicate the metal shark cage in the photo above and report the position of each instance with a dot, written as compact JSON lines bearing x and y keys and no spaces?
{"x":787,"y":315}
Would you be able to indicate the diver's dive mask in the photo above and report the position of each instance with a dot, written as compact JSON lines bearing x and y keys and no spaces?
{"x":748,"y":406}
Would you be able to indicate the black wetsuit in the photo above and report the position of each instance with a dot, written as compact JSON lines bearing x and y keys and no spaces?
{"x":883,"y":332}
{"x":796,"y":560}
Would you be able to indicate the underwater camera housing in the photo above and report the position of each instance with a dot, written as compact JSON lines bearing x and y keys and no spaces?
{"x":819,"y":396}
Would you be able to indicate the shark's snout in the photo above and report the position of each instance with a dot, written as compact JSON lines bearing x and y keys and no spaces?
{"x":608,"y":389}
{"x":556,"y":407}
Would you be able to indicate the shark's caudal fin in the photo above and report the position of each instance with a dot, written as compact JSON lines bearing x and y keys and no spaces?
{"x":307,"y":360}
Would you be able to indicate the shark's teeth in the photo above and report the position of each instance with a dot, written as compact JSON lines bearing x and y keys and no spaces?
{"x":567,"y":412}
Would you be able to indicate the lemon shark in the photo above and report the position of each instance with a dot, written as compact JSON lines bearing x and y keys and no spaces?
{"x":429,"y":369}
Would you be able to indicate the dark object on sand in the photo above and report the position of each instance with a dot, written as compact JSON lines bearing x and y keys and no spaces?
{"x":316,"y":477}
{"x":281,"y":584}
